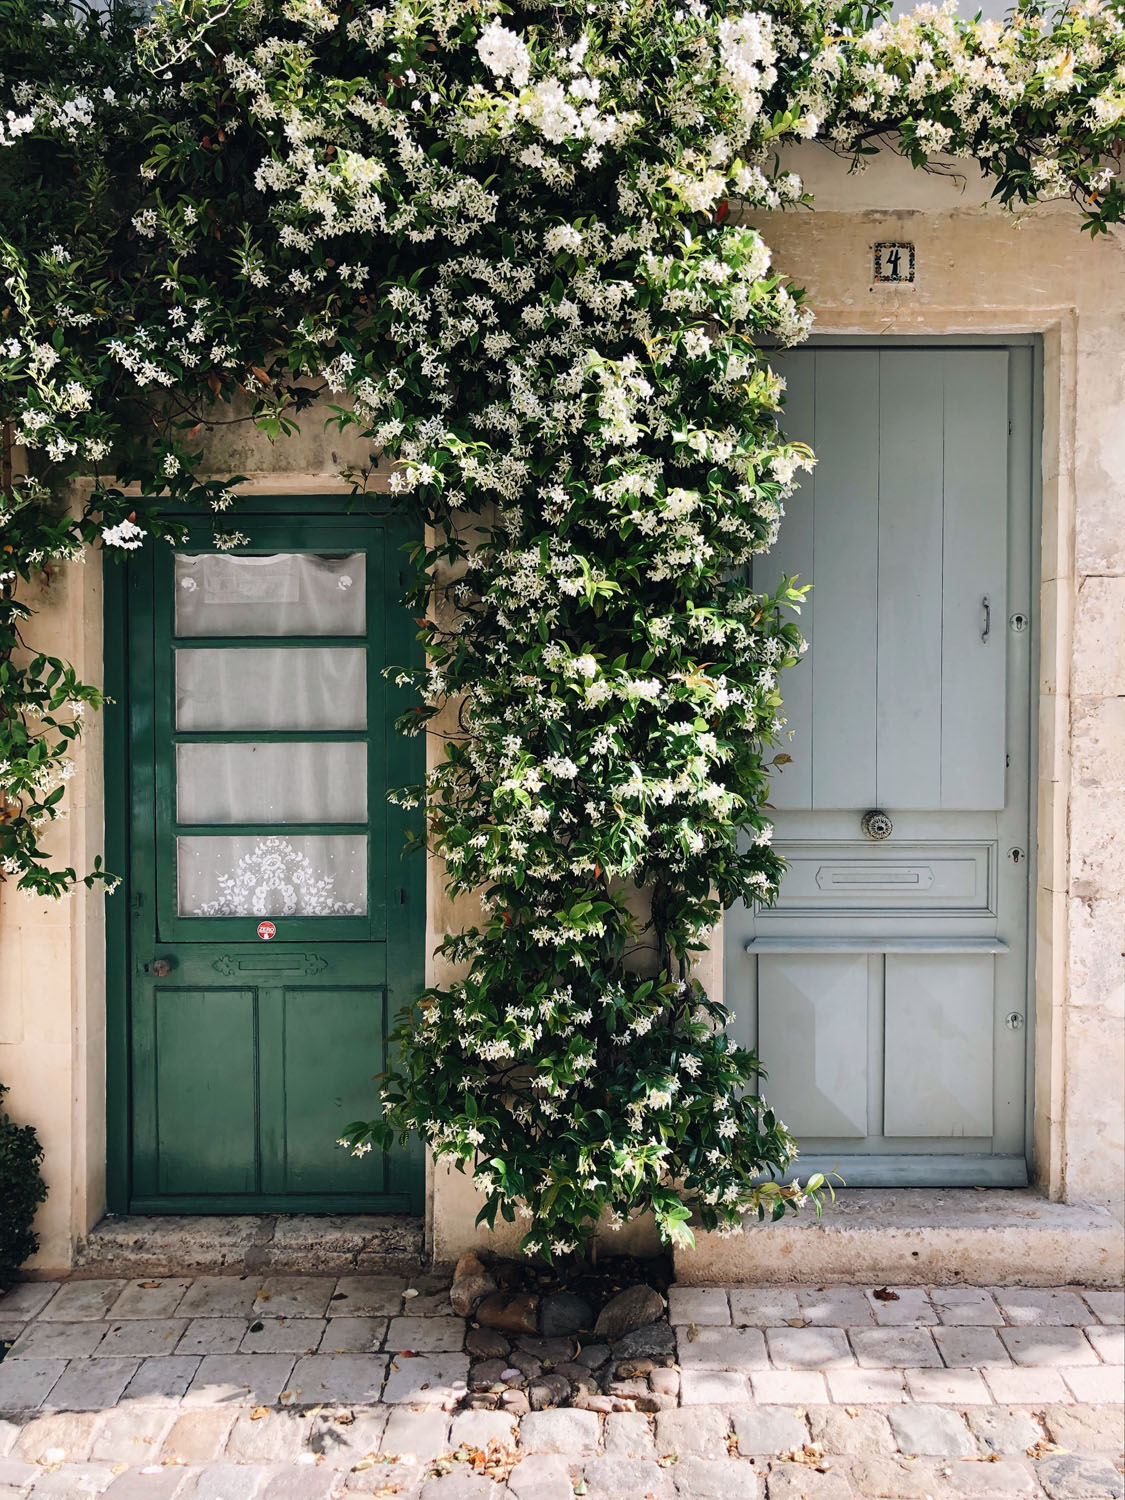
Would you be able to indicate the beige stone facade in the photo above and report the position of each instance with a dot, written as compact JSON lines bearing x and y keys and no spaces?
{"x":978,"y":272}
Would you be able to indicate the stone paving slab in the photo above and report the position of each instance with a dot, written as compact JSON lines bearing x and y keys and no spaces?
{"x":303,"y":1387}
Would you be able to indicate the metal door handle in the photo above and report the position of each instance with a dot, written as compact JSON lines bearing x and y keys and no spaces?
{"x":161,"y":967}
{"x":876,"y":824}
{"x":987,"y":607}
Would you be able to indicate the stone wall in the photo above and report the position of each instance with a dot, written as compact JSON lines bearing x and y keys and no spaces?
{"x":978,"y":271}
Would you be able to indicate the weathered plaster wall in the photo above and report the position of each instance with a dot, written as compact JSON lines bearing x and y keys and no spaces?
{"x":977,"y":272}
{"x":52,"y":959}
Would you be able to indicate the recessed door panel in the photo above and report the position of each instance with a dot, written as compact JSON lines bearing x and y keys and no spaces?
{"x":911,"y":575}
{"x":861,"y":877}
{"x":205,"y":1089}
{"x":329,"y":1068}
{"x":938,"y":1029}
{"x":974,"y":584}
{"x":812,"y":1029}
{"x":844,"y":573}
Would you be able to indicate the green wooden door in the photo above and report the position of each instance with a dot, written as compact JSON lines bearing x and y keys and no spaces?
{"x":274,"y":930}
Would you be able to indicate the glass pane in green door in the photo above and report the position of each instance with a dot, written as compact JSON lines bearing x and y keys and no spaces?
{"x":299,"y":781}
{"x":286,"y":593}
{"x":248,"y":875}
{"x":236,"y":688}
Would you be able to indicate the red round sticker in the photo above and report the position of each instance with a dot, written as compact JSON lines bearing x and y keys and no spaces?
{"x":266,"y":930}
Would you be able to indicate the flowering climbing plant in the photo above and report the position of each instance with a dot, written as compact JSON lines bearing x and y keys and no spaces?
{"x":513,"y":247}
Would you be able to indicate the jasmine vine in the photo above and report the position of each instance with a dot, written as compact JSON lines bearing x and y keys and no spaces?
{"x":513,"y":247}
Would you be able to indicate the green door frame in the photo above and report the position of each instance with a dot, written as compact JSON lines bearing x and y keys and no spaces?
{"x":404,"y":759}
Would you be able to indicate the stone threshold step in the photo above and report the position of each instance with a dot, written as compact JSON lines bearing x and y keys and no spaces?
{"x":182,"y":1244}
{"x":916,"y":1236}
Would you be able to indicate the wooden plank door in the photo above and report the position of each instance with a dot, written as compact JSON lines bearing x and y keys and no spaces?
{"x":266,"y":964}
{"x":887,"y":989}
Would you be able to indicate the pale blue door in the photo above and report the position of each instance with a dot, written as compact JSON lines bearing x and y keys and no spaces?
{"x":887,"y":991}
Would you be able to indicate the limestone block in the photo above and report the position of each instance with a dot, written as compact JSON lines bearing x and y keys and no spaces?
{"x":1095,"y":1126}
{"x":1099,"y":637}
{"x":1097,"y":966}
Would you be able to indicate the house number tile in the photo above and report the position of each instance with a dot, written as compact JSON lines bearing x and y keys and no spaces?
{"x":894,"y":262}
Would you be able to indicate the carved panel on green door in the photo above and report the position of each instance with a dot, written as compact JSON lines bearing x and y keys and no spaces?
{"x":263,"y":861}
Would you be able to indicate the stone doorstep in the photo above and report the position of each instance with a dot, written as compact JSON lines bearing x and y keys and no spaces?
{"x":904,"y":1236}
{"x":196,"y":1245}
{"x":918,"y":1236}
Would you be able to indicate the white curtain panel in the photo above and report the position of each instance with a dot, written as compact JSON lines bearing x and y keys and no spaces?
{"x":282,"y":875}
{"x":288,"y":593}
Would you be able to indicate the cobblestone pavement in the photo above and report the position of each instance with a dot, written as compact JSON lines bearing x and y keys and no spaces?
{"x":312,"y":1387}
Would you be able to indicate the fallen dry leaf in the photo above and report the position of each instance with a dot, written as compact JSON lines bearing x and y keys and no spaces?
{"x":692,"y":1333}
{"x":258,"y":1412}
{"x":884,"y":1294}
{"x":150,"y":1286}
{"x":1044,"y":1446}
{"x":810,"y":1454}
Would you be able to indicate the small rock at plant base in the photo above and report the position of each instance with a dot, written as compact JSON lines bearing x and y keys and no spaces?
{"x":485,"y":1375}
{"x":511,"y":1374}
{"x":471,"y":1284}
{"x":562,"y":1313}
{"x":633,"y":1308}
{"x":630,"y":1367}
{"x":594,"y":1402}
{"x":482,"y":1401}
{"x":548,"y":1390}
{"x":593,"y":1356}
{"x":655,"y":1341}
{"x":516,"y":1314}
{"x":526,"y":1364}
{"x":653,"y":1402}
{"x":578,"y":1375}
{"x":665,"y":1382}
{"x":550,"y":1351}
{"x":486,"y":1343}
{"x":630,"y":1388}
{"x":516,"y":1402}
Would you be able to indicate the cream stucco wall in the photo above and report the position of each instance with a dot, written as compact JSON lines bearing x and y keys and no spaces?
{"x":978,"y":272}
{"x":52,"y":958}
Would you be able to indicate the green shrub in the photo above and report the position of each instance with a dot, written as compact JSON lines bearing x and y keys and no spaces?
{"x":22,"y":1190}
